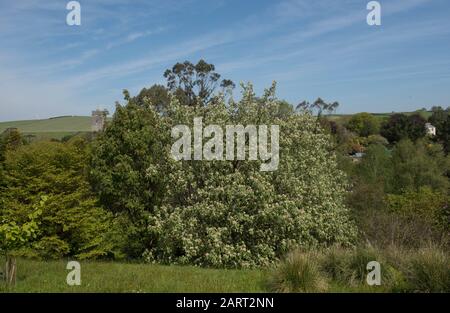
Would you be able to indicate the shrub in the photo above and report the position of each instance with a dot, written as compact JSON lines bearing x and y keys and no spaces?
{"x":71,"y":221}
{"x":423,"y":270}
{"x":427,"y":270}
{"x":418,"y":165}
{"x":230,"y":214}
{"x":127,"y":170}
{"x":51,"y":247}
{"x":335,"y":264}
{"x":410,"y":220}
{"x":377,"y":140}
{"x":425,"y":205}
{"x":357,"y":264}
{"x":348,"y":267}
{"x":364,"y":124}
{"x":409,"y":208}
{"x":298,"y":272}
{"x":401,"y":126}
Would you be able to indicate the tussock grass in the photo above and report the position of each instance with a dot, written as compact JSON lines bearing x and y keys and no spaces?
{"x":345,"y":270}
{"x":299,"y":272}
{"x":424,"y":270}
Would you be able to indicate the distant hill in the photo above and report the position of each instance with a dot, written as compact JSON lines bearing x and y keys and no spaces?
{"x":58,"y":127}
{"x":55,"y":127}
{"x":345,"y":117}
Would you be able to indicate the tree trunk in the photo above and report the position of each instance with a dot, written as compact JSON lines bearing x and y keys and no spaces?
{"x":10,"y":270}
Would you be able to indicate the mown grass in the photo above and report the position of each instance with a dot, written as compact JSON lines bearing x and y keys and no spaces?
{"x":50,"y":276}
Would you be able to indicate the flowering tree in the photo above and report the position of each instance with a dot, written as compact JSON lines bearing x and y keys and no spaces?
{"x":230,"y":214}
{"x":216,"y":212}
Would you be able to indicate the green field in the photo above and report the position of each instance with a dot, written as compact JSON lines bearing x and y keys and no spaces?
{"x":57,"y":124}
{"x":50,"y":276}
{"x":52,"y":128}
{"x":96,"y":276}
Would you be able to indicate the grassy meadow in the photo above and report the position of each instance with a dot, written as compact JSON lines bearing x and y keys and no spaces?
{"x":56,"y":124}
{"x":52,"y":128}
{"x":333,"y":270}
{"x":50,"y":276}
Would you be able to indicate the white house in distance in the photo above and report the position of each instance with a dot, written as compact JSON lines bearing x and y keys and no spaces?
{"x":430,"y":129}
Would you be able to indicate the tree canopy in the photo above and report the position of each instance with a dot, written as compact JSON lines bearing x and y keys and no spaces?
{"x":70,"y":220}
{"x":318,"y":106}
{"x":195,"y":84}
{"x":364,"y":124}
{"x":222,"y":213}
{"x":401,"y":126}
{"x":440,"y":119}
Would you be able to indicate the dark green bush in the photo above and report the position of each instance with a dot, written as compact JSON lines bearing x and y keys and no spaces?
{"x":72,"y":223}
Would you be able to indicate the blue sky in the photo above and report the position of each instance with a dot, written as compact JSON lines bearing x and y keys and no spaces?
{"x":321,"y":48}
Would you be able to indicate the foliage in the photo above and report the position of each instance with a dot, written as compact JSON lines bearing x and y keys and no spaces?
{"x":71,"y":222}
{"x":409,"y":219}
{"x":401,"y":126}
{"x":285,"y":109}
{"x":157,"y":96}
{"x":298,"y":272}
{"x":128,"y":159}
{"x":387,"y":185}
{"x":425,"y":204}
{"x":375,"y":168}
{"x":429,"y":271}
{"x":418,"y":165}
{"x":16,"y":234}
{"x":364,"y":124}
{"x":423,"y":270}
{"x":194,"y":85}
{"x":349,"y":266}
{"x":343,"y":269}
{"x":318,"y":106}
{"x":371,"y":179}
{"x":440,"y":119}
{"x":10,"y":139}
{"x":230,"y":214}
{"x":129,"y":167}
{"x":408,"y":166}
{"x":220,"y":213}
{"x":346,"y":142}
{"x":377,"y":139}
